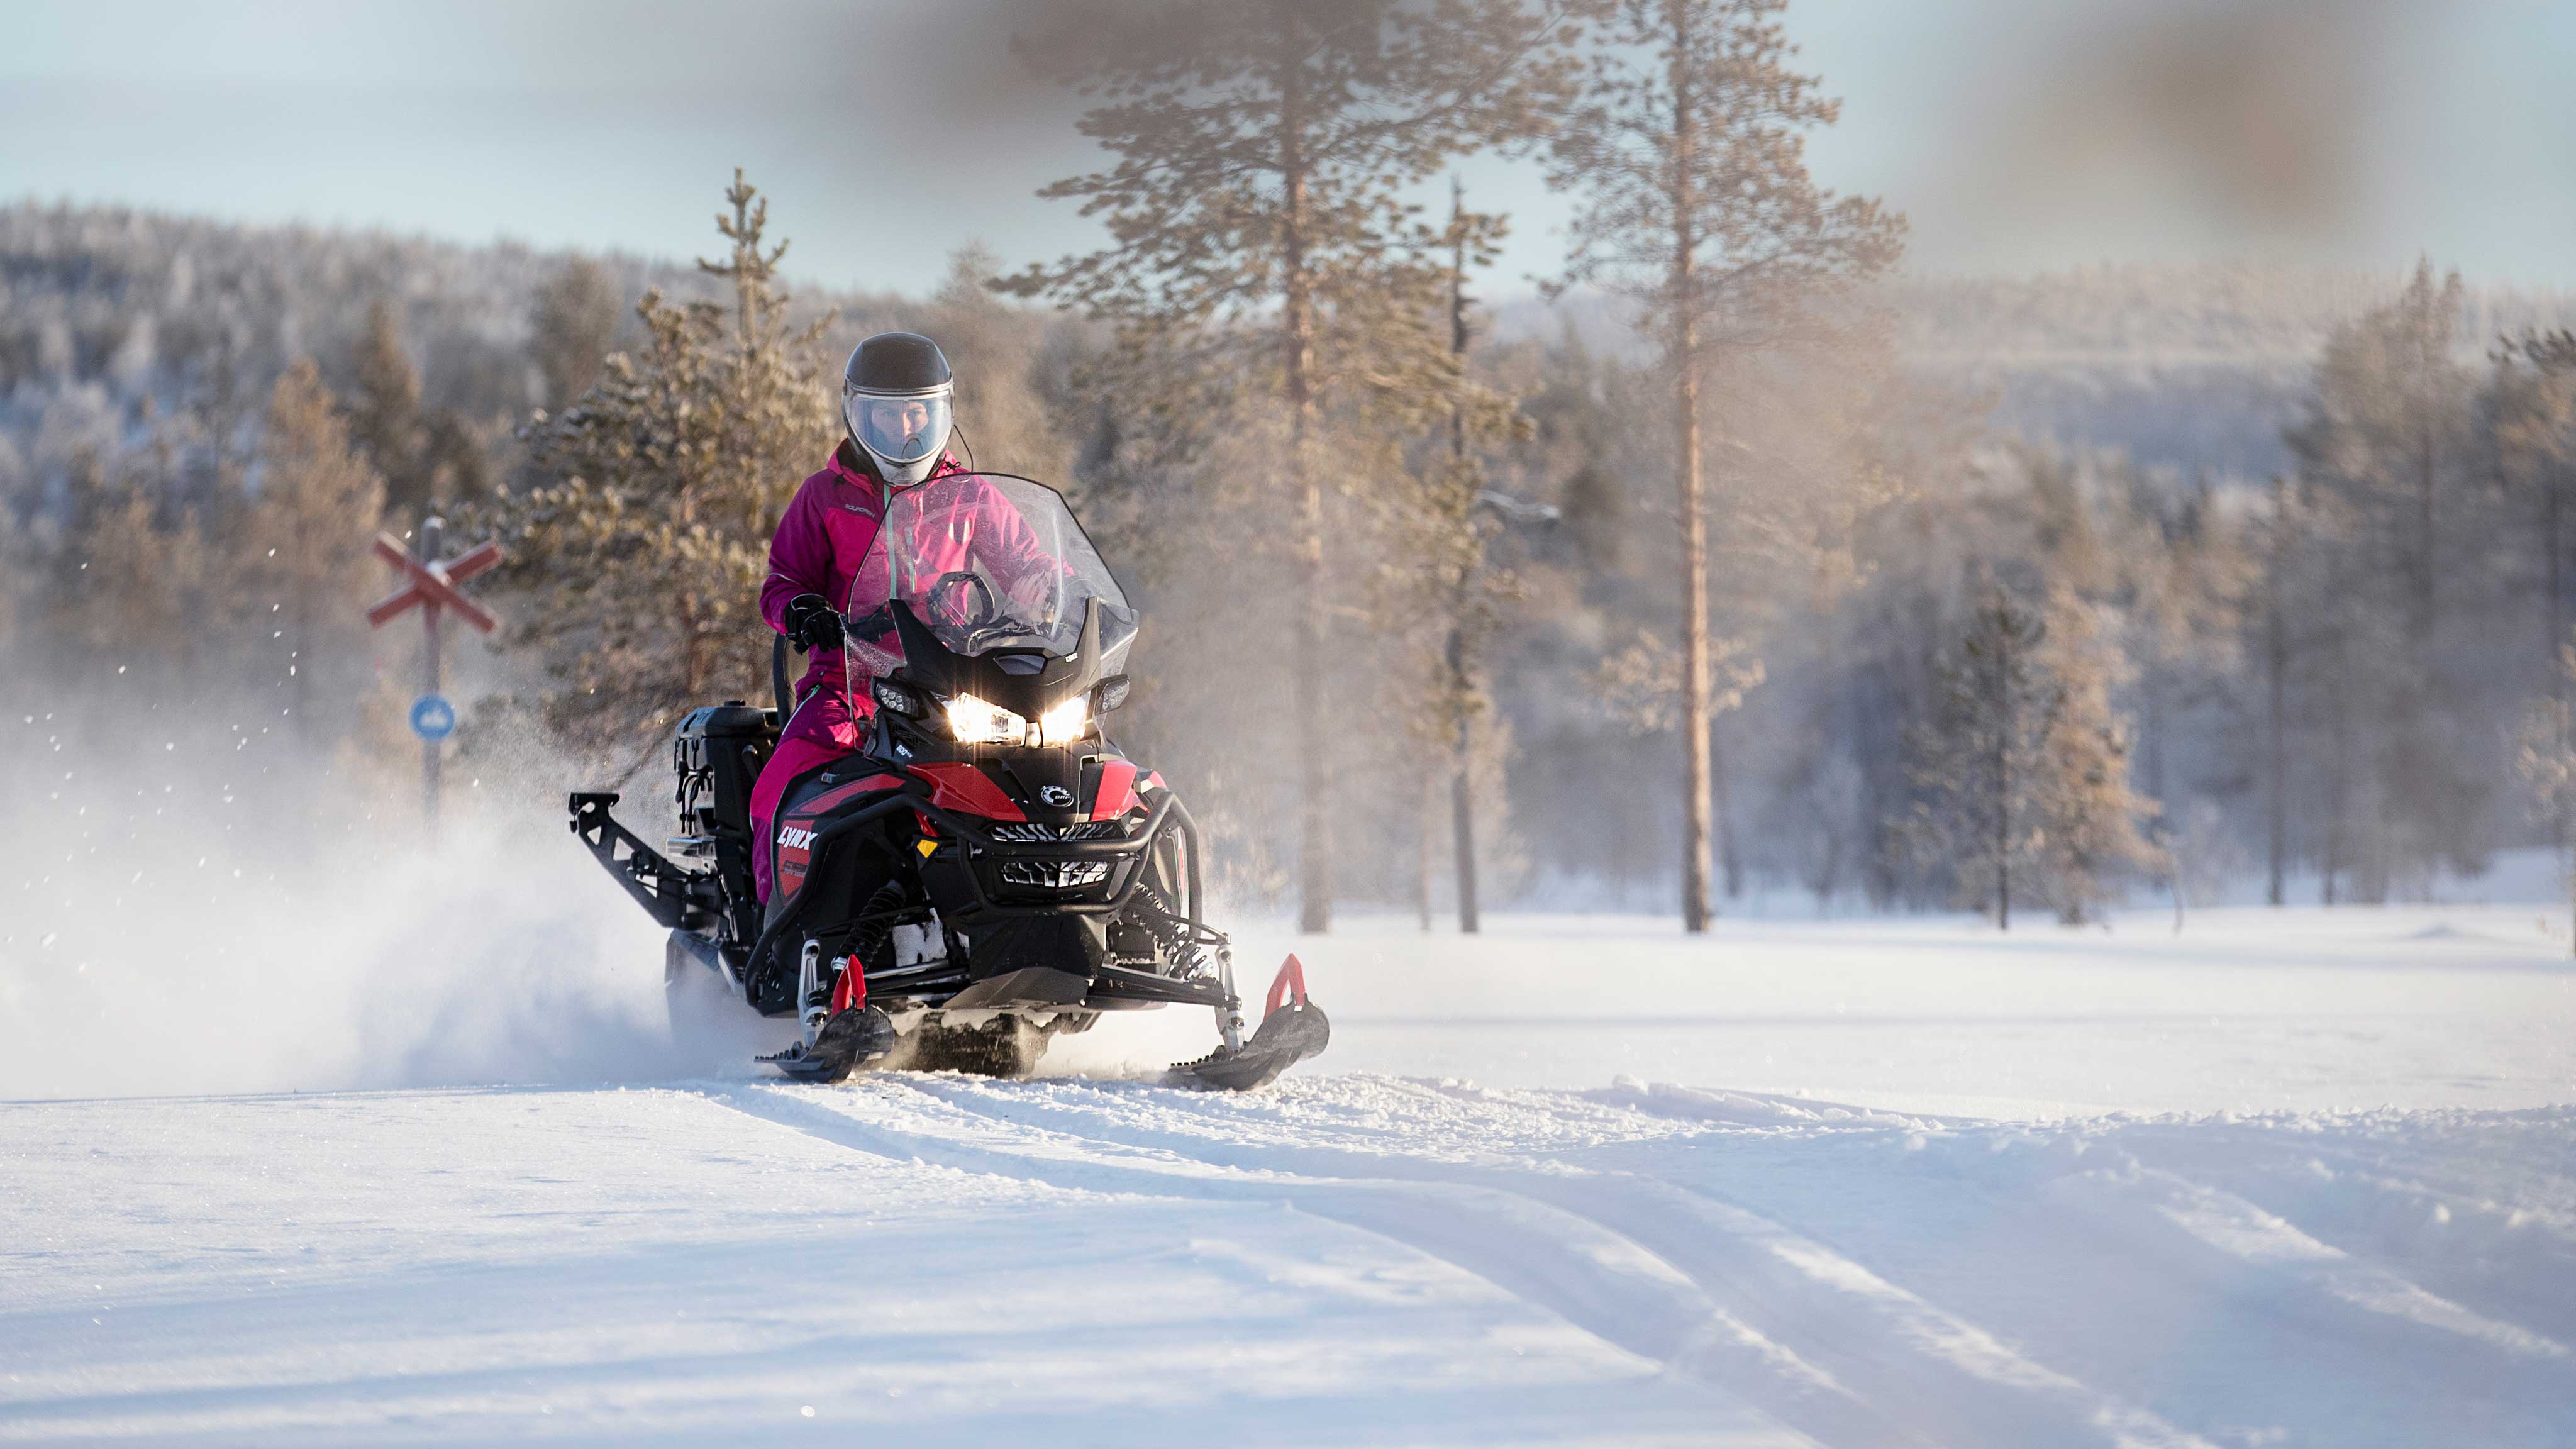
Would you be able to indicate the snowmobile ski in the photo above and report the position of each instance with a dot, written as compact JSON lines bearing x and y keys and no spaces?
{"x":846,"y":1042}
{"x":1292,"y":1029}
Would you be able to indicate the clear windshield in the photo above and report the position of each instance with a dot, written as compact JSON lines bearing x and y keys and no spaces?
{"x":987,"y":562}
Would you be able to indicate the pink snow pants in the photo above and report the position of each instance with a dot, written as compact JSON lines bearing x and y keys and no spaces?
{"x":823,"y":729}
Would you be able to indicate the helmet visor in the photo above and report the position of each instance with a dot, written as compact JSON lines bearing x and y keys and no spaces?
{"x":899,"y":429}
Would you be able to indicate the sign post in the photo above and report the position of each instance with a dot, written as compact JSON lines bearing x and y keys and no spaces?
{"x":431,"y":583}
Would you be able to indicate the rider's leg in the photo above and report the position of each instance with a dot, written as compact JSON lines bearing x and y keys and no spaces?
{"x":823,"y":729}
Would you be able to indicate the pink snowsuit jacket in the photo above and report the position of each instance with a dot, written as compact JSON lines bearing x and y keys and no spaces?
{"x":820,"y":543}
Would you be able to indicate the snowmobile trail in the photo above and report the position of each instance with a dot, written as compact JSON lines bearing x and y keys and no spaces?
{"x":1342,"y":1259}
{"x":1559,"y":1260}
{"x":1610,"y":1218}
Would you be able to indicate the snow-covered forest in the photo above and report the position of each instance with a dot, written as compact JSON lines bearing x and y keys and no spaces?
{"x":2296,"y":539}
{"x":1748,"y":564}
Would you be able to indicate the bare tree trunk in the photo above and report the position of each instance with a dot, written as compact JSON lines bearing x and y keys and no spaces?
{"x":1462,"y":798}
{"x":1429,"y":823}
{"x":2425,"y":618}
{"x":1462,"y":801}
{"x":1696,"y":827}
{"x":1315,"y":811}
{"x":693,"y":627}
{"x":2339,"y":784}
{"x":1722,"y":814}
{"x":2554,"y":631}
{"x":2151,"y":738}
{"x":1462,"y":811}
{"x":2005,"y":725}
{"x":2276,"y":667}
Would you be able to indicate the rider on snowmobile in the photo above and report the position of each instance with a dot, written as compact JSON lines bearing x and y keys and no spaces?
{"x":897,"y":408}
{"x":897,"y":404}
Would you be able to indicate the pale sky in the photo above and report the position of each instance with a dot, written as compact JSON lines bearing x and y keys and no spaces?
{"x":2016,"y":134}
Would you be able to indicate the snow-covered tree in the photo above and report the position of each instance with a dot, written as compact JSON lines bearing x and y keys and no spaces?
{"x":2545,"y":760}
{"x":304,"y":549}
{"x":1261,"y":235}
{"x":2024,"y":763}
{"x":385,"y":419}
{"x":1688,"y":148}
{"x":643,"y":558}
{"x":1977,"y":757}
{"x":574,"y":322}
{"x":2388,"y":443}
{"x":2089,"y":817}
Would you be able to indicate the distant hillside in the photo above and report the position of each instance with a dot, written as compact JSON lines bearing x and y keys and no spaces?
{"x":2189,"y":367}
{"x":103,"y":308}
{"x":107,"y":313}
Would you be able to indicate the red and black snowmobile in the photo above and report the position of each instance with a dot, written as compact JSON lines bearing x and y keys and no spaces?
{"x":988,"y":869}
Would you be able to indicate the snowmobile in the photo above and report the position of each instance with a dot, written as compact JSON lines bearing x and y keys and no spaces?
{"x":988,"y":868}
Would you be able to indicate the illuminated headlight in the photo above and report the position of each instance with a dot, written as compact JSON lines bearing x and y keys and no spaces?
{"x":973,"y":722}
{"x":1065,"y":723}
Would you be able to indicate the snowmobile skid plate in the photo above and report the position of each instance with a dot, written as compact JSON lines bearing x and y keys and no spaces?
{"x":1292,"y":1029}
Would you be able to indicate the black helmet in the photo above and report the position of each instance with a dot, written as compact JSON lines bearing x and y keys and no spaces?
{"x":898,"y":400}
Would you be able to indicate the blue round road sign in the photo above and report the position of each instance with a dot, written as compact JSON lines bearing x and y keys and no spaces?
{"x":432,"y":717}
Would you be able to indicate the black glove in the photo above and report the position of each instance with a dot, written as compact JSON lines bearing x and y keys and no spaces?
{"x":810,"y":624}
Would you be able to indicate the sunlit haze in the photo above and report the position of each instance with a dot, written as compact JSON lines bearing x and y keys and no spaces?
{"x":2015,"y":134}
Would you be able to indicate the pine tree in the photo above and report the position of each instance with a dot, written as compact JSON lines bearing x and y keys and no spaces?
{"x":2386,"y":427}
{"x":1260,"y":231}
{"x":644,"y":557}
{"x":318,"y":503}
{"x":2545,"y":760}
{"x":1450,"y":521}
{"x":1977,"y":757}
{"x":2024,"y":764}
{"x":575,"y":321}
{"x":2087,"y":814}
{"x":1688,"y":148}
{"x":2530,"y":419}
{"x":2386,"y":441}
{"x":118,"y":597}
{"x":456,"y":459}
{"x":996,"y":349}
{"x":384,"y":417}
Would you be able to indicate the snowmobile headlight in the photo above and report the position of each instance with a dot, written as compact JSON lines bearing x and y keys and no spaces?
{"x":973,"y":722}
{"x":1065,"y":723}
{"x":895,"y":698}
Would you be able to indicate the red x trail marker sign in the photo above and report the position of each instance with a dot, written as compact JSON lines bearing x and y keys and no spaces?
{"x":434,"y":583}
{"x":430,"y":584}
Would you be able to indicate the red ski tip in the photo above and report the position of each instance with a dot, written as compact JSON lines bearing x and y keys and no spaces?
{"x":1290,"y":982}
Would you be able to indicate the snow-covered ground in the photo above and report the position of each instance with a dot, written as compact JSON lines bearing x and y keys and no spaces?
{"x":2302,"y":1177}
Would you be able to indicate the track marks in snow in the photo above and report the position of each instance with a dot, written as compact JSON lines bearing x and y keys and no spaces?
{"x":1878,"y":1278}
{"x":2241,"y":1230}
{"x":1712,"y":1292}
{"x":1951,"y":1380}
{"x":1588,"y":1275}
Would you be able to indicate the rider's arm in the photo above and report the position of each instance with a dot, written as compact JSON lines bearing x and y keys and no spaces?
{"x":1024,"y":564}
{"x":800,"y":556}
